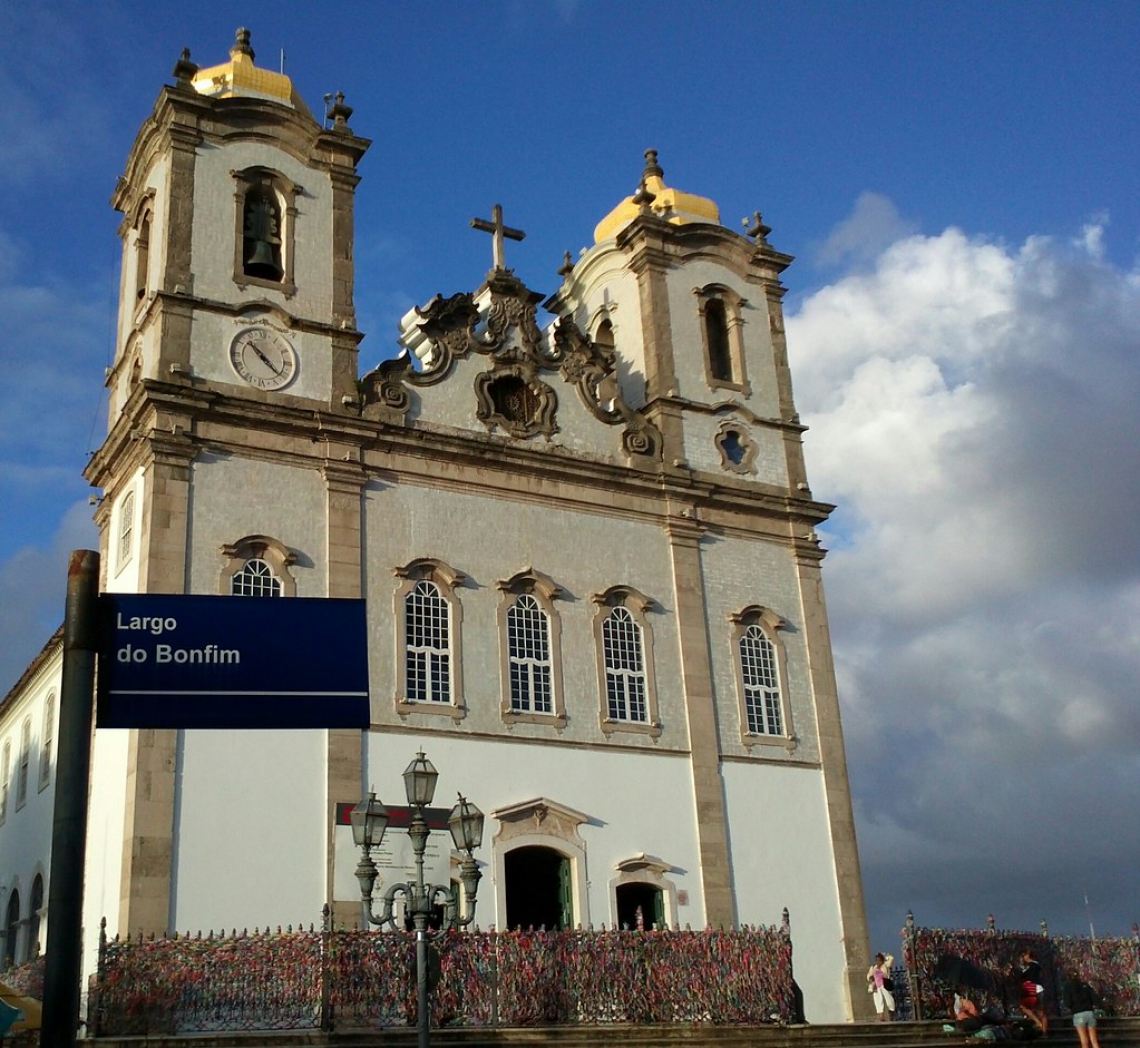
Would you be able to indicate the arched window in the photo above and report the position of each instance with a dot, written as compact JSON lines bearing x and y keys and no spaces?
{"x":721,"y":321}
{"x":428,"y":616}
{"x":258,"y":566}
{"x":34,"y":913}
{"x":5,"y":780}
{"x":759,"y":658}
{"x":47,"y":738}
{"x":265,"y":219}
{"x":625,"y":661}
{"x":25,"y":762}
{"x":126,"y":528}
{"x":261,"y":234}
{"x":530,"y":630}
{"x":142,"y":255}
{"x":716,"y":338}
{"x":427,"y":631}
{"x":255,"y":579}
{"x":11,"y":929}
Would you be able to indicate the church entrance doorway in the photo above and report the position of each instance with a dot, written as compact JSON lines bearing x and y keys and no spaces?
{"x":538,"y":889}
{"x":637,"y":895}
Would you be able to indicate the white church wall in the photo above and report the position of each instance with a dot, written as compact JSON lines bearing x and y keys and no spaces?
{"x":249,"y":829}
{"x":634,"y":803}
{"x":237,"y":497}
{"x":105,"y":832}
{"x":740,"y":573}
{"x":25,"y":833}
{"x":702,"y":453}
{"x":123,"y":569}
{"x":490,"y":540}
{"x":781,"y":856}
{"x":688,"y":340}
{"x":611,"y":292}
{"x":155,"y":182}
{"x":215,"y":225}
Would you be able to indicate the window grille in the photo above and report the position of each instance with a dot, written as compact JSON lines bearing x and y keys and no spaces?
{"x":761,"y":683}
{"x":625,"y":667}
{"x":25,"y":760}
{"x":256,"y":579}
{"x":426,"y":630}
{"x":126,"y":528}
{"x":46,"y":739}
{"x":528,"y":651}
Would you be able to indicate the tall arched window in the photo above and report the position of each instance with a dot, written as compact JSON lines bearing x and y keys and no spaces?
{"x":5,"y":779}
{"x":428,"y":637}
{"x":428,"y":615}
{"x":142,"y":255}
{"x":716,"y":338}
{"x":265,"y":219}
{"x":625,"y":661}
{"x":126,"y":528}
{"x":759,"y":664}
{"x":47,"y":738}
{"x":721,"y":320}
{"x":11,"y":929}
{"x":530,"y":632}
{"x":25,"y":762}
{"x":34,"y":912}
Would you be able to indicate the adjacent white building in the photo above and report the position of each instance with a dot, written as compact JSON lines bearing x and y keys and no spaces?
{"x":587,"y":548}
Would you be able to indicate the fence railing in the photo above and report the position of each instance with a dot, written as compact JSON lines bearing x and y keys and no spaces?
{"x":985,"y":960}
{"x":324,"y":978}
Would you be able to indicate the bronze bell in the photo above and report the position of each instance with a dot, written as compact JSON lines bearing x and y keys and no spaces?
{"x":262,"y":262}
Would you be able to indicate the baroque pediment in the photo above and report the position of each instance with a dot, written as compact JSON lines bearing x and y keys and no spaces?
{"x":516,"y":392}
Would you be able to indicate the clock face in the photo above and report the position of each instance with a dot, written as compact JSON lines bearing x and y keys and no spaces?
{"x":263,"y":358}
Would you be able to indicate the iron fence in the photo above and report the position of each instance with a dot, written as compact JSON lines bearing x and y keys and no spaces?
{"x":991,"y":957}
{"x":345,"y":979}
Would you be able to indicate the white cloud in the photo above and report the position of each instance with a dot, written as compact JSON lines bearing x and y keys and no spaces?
{"x":972,"y":410}
{"x":874,"y":225}
{"x":33,"y":585}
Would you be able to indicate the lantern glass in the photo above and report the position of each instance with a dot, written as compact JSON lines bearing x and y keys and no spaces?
{"x":466,"y":825}
{"x":419,"y":780}
{"x":369,"y":821}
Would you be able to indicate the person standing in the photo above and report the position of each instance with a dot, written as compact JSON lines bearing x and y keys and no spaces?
{"x":1082,"y":1001}
{"x":880,"y":983}
{"x":1032,"y":1001}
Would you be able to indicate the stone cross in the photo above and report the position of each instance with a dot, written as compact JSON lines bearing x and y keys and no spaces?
{"x":497,"y":230}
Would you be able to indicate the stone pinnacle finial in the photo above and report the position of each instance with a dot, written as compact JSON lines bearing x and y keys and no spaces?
{"x":643,"y":197}
{"x":339,"y":113}
{"x":567,"y":266}
{"x":651,"y":165}
{"x":184,"y":69}
{"x":754,"y":227}
{"x":241,"y":45}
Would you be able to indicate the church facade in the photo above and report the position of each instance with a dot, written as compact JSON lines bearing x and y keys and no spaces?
{"x":587,"y":549}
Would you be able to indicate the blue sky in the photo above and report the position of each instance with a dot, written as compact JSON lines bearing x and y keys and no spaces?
{"x":958,"y":183}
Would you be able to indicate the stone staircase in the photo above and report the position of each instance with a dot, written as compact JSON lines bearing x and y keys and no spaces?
{"x":1114,"y":1033}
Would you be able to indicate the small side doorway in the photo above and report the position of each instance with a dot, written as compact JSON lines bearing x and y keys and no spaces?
{"x":646,"y":897}
{"x":538,"y":889}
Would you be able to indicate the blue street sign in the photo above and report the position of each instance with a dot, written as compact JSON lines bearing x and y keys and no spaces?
{"x":188,"y":661}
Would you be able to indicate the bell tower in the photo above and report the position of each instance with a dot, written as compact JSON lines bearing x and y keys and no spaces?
{"x":236,"y":343}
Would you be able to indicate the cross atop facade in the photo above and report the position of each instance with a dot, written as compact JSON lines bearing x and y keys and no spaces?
{"x":498,"y":231}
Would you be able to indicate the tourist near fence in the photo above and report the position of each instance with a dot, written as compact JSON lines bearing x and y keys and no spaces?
{"x":938,"y":960}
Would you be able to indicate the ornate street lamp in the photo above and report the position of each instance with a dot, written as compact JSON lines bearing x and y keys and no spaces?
{"x":369,"y":821}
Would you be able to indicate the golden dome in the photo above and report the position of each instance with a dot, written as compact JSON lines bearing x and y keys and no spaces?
{"x":670,"y":204}
{"x":240,"y":78}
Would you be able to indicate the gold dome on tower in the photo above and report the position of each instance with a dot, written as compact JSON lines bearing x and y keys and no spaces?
{"x":240,"y":78}
{"x":671,"y":205}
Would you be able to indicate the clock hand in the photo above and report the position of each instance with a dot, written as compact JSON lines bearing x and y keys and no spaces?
{"x":265,"y":360}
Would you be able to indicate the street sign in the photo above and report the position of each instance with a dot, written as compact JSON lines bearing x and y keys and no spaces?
{"x":189,"y":661}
